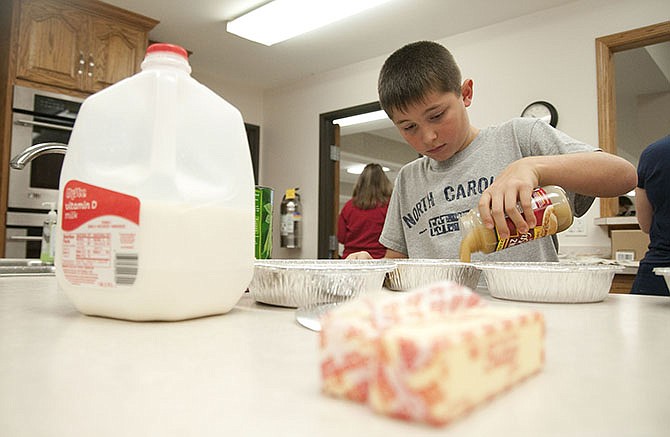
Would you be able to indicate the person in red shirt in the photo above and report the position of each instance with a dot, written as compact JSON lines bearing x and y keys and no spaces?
{"x":362,"y":217}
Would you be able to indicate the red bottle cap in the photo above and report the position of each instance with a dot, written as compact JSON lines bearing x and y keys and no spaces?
{"x":164,"y":47}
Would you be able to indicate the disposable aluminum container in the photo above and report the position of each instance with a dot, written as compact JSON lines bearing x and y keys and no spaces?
{"x":299,"y":283}
{"x":549,"y":282}
{"x":412,"y":273}
{"x":665,"y":272}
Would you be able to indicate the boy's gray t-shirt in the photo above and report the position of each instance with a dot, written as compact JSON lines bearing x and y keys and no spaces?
{"x":429,"y":196}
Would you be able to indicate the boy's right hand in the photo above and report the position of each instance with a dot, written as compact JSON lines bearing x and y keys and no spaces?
{"x":359,"y":255}
{"x":510,"y":196}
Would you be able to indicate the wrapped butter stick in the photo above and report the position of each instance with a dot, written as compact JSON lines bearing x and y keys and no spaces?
{"x":436,"y":371}
{"x":350,"y":333}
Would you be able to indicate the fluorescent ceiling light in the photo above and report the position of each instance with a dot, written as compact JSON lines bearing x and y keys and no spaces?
{"x":358,"y":169}
{"x":361,"y":118}
{"x":280,"y":20}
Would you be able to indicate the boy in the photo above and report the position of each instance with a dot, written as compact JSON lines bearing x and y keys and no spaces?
{"x":463,"y":167}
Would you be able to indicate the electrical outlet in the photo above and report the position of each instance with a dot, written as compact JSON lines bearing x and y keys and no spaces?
{"x":578,"y":228}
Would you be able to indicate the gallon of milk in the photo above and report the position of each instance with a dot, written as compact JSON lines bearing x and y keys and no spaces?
{"x":156,"y":215}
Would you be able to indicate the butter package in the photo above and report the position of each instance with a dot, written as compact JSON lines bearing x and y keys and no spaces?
{"x":437,"y":371}
{"x":350,"y":334}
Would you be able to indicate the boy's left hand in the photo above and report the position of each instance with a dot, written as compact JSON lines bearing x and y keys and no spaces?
{"x":510,"y":196}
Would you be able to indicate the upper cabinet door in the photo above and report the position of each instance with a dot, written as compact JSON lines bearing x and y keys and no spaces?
{"x":52,"y":44}
{"x":116,"y":52}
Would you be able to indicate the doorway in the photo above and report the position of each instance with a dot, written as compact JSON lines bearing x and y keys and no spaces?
{"x":344,"y":148}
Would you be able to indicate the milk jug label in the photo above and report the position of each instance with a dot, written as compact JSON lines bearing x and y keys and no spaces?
{"x":100,"y":236}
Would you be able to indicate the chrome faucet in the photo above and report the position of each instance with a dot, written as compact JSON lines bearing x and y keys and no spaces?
{"x":19,"y":161}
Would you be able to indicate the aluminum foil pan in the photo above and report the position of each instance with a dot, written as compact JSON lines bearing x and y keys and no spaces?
{"x":412,"y":273}
{"x":298,"y":283}
{"x":549,"y":282}
{"x":665,"y":272}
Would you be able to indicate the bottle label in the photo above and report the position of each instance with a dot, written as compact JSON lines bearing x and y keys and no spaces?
{"x":48,"y":247}
{"x":545,"y":217}
{"x":286,"y":224}
{"x":100,"y":236}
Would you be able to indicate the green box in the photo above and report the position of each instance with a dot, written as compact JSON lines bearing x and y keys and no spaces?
{"x":263,"y":223}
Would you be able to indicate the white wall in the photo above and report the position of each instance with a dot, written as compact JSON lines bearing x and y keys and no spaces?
{"x":653,"y":117}
{"x":290,"y":150}
{"x":548,"y":55}
{"x":641,"y":120}
{"x":248,"y":100}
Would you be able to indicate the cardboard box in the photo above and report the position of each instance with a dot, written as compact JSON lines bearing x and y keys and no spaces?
{"x":627,"y":242}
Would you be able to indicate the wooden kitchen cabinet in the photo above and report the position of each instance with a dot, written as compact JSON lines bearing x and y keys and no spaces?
{"x":622,"y":284}
{"x":78,"y":44}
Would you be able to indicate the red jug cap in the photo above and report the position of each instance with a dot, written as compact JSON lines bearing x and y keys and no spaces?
{"x":164,"y":47}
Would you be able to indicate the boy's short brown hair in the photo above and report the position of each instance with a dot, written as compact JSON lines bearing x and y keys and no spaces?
{"x":413,"y":71}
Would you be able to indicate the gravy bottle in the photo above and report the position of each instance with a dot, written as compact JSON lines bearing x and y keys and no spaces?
{"x":552,"y":211}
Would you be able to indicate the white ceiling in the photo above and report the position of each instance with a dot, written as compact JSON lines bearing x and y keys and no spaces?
{"x":199,"y":26}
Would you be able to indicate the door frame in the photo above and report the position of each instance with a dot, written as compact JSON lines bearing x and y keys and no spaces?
{"x":253,"y":138}
{"x":327,"y":176}
{"x":606,"y":47}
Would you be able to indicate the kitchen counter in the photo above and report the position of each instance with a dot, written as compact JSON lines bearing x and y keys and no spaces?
{"x":255,"y":372}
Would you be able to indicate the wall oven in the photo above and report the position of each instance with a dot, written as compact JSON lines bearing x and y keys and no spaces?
{"x":37,"y":117}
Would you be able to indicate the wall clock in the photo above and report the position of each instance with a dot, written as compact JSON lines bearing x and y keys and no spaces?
{"x":542,"y":110}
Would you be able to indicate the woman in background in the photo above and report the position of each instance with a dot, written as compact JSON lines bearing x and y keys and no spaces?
{"x":652,"y":205}
{"x":362,"y":217}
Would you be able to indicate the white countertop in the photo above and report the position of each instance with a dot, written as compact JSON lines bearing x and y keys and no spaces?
{"x":254,"y":372}
{"x":609,"y":221}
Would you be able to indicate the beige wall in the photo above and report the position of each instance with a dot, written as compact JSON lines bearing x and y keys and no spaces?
{"x":642,"y":121}
{"x":247,"y":99}
{"x":548,"y":55}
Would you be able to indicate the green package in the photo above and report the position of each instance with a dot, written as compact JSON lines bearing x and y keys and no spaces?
{"x":263,"y":223}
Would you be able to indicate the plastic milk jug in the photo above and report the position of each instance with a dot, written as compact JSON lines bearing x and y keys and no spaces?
{"x":156,"y":216}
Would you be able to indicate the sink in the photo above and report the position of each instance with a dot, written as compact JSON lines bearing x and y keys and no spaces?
{"x":25,"y":267}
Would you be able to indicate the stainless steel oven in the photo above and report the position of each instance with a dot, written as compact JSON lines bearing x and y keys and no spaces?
{"x":37,"y":117}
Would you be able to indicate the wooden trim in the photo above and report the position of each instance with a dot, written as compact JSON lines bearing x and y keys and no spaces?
{"x":606,"y":46}
{"x":633,"y":39}
{"x":7,"y":12}
{"x":336,"y":190}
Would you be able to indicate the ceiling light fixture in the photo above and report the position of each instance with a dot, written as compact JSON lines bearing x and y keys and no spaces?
{"x":361,"y":118}
{"x":280,"y":20}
